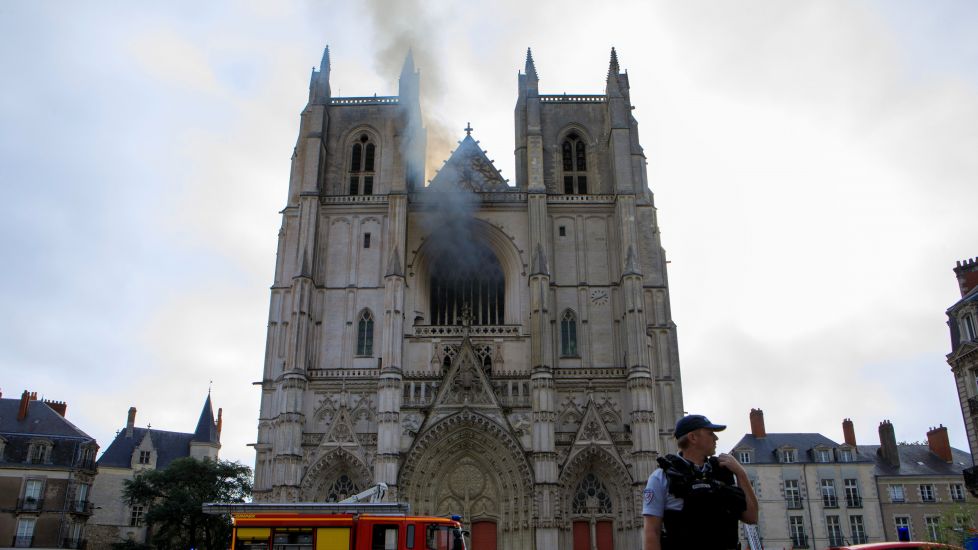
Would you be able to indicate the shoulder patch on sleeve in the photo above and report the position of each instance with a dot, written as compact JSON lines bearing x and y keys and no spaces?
{"x":648,"y":495}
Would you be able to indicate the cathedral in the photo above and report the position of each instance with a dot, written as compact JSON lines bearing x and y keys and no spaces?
{"x":503,"y":352}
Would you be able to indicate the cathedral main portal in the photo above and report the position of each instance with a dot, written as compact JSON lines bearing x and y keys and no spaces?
{"x":467,"y":464}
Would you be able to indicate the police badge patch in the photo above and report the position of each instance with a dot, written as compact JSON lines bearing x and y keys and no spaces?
{"x":648,"y":494}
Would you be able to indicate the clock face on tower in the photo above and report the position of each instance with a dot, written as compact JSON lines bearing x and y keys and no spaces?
{"x":599,"y":297}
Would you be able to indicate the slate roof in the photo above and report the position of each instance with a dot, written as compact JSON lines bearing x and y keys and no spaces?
{"x":971,"y":296}
{"x":206,"y":431}
{"x":469,"y":169}
{"x":169,"y":446}
{"x":41,"y":420}
{"x":764,"y":447}
{"x":917,"y":460}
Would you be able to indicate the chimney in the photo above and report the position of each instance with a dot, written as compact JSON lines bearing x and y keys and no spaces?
{"x":888,"y":446}
{"x":59,"y":407}
{"x":967,"y":273}
{"x":757,"y":423}
{"x":939,"y":444}
{"x":25,"y":399}
{"x":131,"y":421}
{"x":848,"y":432}
{"x":220,"y":422}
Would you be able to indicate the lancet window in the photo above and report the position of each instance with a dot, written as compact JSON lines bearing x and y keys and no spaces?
{"x":467,"y":286}
{"x":365,"y":333}
{"x":574,"y":161}
{"x":342,"y":488}
{"x":568,"y":334}
{"x":362,"y":156}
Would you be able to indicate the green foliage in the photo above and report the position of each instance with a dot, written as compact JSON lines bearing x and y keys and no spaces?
{"x":173,"y":498}
{"x":957,"y":523}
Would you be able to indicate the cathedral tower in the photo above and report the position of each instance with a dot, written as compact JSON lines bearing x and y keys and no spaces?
{"x":503,"y":352}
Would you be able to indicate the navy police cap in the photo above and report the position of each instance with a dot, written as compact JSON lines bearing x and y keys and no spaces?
{"x":693,"y":422}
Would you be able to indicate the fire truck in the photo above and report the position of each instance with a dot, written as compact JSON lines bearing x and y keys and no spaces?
{"x":346,"y":525}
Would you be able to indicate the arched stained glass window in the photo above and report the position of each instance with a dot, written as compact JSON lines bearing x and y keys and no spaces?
{"x":591,"y":497}
{"x":365,"y":334}
{"x":574,"y":163}
{"x":568,"y":334}
{"x":342,"y":488}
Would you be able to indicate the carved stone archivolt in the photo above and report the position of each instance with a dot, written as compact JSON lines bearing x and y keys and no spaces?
{"x":589,"y":469}
{"x":335,"y":470}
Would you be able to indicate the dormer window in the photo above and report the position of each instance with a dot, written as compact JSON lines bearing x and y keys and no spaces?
{"x":362,"y":155}
{"x":969,"y":327}
{"x":144,"y":457}
{"x":823,"y":455}
{"x":743,"y":457}
{"x":574,"y":162}
{"x":39,"y":452}
{"x":788,"y":456}
{"x":845,"y":455}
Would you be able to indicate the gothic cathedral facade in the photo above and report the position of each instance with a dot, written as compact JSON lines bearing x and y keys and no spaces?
{"x":504,"y":352}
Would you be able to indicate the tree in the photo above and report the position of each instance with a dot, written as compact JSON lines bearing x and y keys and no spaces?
{"x":957,"y":523}
{"x":173,"y":497}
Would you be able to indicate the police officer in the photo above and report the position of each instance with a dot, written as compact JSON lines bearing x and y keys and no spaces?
{"x":691,"y":501}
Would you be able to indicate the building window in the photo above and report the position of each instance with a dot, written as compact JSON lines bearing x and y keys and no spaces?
{"x":362,"y":166}
{"x":591,"y":497}
{"x":853,"y":499}
{"x":834,"y":529}
{"x":568,"y":334}
{"x":81,"y":497}
{"x":743,"y":457}
{"x":144,"y":457}
{"x":471,"y":283}
{"x":969,"y":327}
{"x":857,"y":529}
{"x":25,"y":533}
{"x":903,"y":530}
{"x":788,"y":456}
{"x":136,"y":516}
{"x":796,"y":529}
{"x":562,"y":231}
{"x":365,"y":334}
{"x":33,"y":491}
{"x":957,"y":492}
{"x":574,"y":157}
{"x":829,"y":498}
{"x":342,"y":488}
{"x":366,"y":240}
{"x":39,"y":452}
{"x":845,"y":455}
{"x":3,"y":444}
{"x":897,"y":494}
{"x":792,"y":494}
{"x":823,"y":455}
{"x":933,"y":524}
{"x":927,"y":493}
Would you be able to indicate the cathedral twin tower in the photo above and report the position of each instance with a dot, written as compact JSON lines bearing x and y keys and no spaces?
{"x":502,"y":352}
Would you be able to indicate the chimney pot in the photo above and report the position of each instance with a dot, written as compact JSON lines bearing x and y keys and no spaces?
{"x":848,"y":432}
{"x":757,"y":423}
{"x":888,"y":446}
{"x":967,"y":274}
{"x":59,"y":407}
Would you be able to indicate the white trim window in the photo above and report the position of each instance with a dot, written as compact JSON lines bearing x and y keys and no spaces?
{"x":823,"y":455}
{"x":834,"y":530}
{"x":933,"y":525}
{"x":743,"y":457}
{"x":792,"y":494}
{"x":829,"y":498}
{"x":927,"y":493}
{"x":845,"y":455}
{"x":957,"y":492}
{"x":857,"y":529}
{"x":33,"y":493}
{"x":788,"y":456}
{"x":851,"y":489}
{"x":969,"y":327}
{"x":25,"y":532}
{"x":897,"y":494}
{"x":903,"y":522}
{"x":136,"y":514}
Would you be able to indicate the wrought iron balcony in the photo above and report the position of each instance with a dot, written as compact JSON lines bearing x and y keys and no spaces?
{"x":83,"y":507}
{"x":836,"y":539}
{"x":799,"y":541}
{"x":793,"y":503}
{"x":30,"y":504}
{"x":830,"y":501}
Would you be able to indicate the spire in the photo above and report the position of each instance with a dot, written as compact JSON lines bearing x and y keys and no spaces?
{"x":540,"y":262}
{"x":531,"y":68}
{"x":206,"y":431}
{"x":613,"y":86}
{"x":408,"y":69}
{"x":324,"y":64}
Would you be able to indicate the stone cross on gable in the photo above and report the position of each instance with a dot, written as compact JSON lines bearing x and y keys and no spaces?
{"x":468,"y":128}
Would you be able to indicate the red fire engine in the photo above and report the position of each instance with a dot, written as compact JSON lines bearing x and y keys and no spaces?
{"x":338,"y":526}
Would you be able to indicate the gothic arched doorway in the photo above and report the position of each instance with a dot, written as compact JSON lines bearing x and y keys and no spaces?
{"x":335,"y":476}
{"x":467,"y":464}
{"x":597,"y":503}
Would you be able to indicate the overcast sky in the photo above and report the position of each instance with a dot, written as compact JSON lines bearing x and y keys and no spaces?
{"x":814,"y":166}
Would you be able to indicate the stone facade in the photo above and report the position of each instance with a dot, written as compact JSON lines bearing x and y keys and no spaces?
{"x":812,"y":491}
{"x":962,"y":320}
{"x":135,"y":450}
{"x":501,"y":351}
{"x":47,"y":467}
